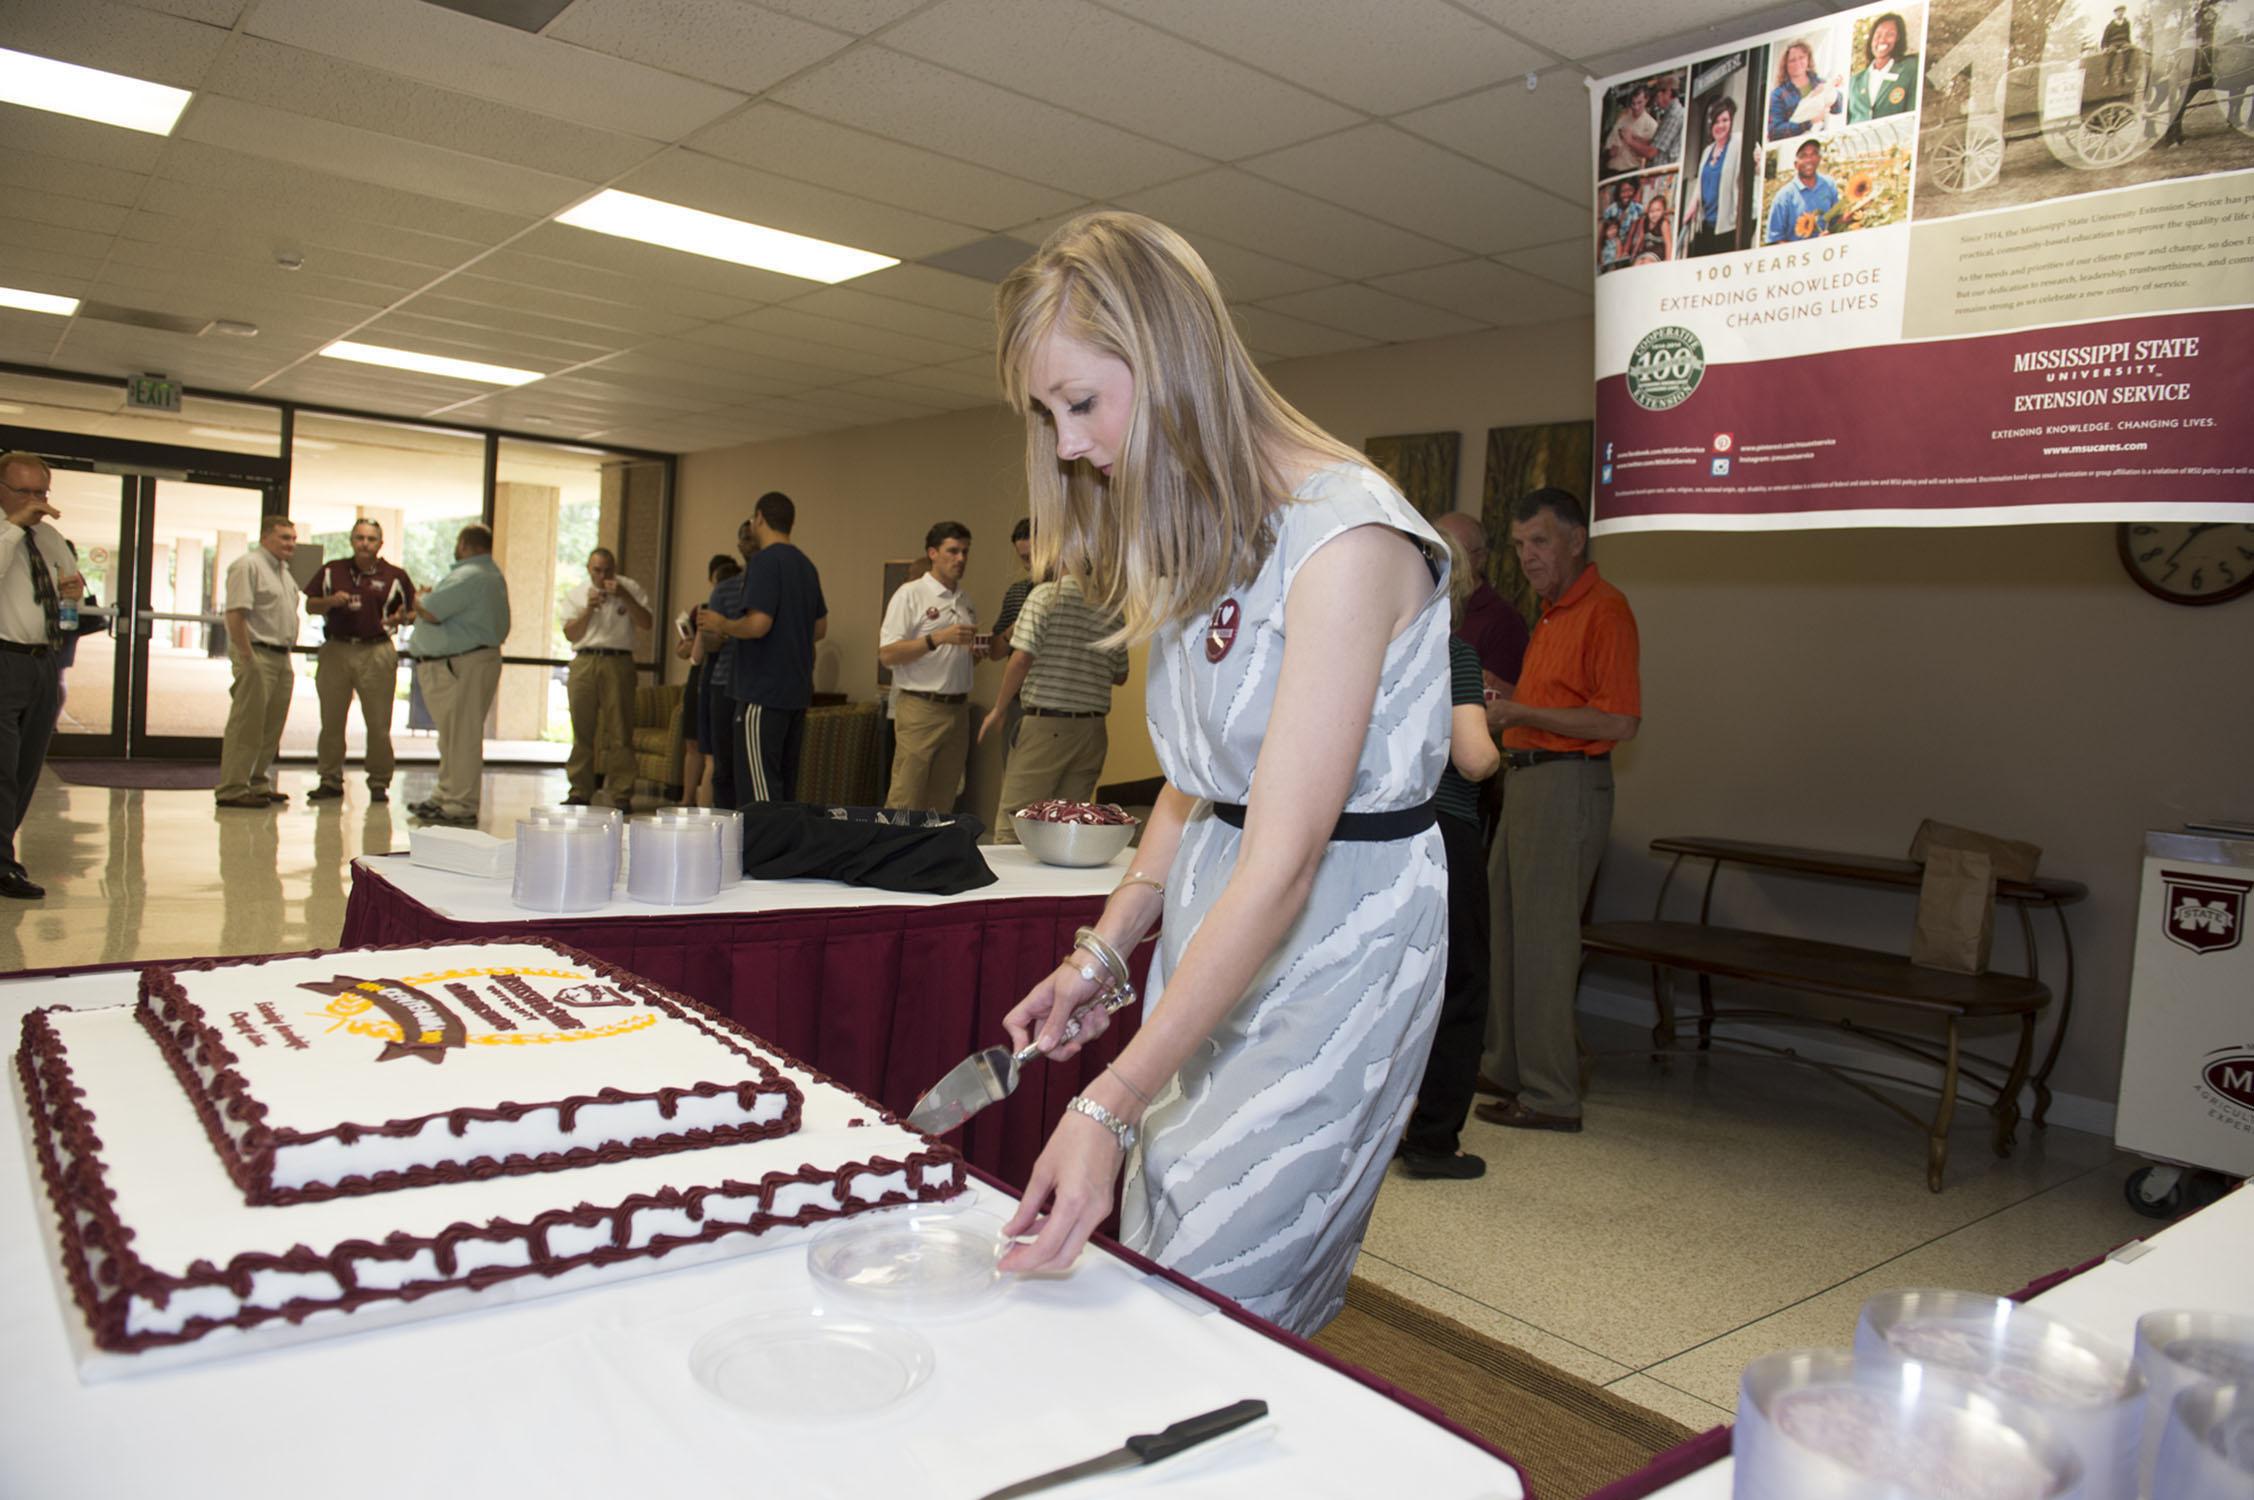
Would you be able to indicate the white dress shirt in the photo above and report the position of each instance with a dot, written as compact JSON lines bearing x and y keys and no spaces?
{"x":919,"y":607}
{"x":260,"y":582}
{"x":22,"y":620}
{"x":609,"y":627}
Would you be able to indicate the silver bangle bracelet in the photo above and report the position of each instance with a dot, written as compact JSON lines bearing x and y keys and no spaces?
{"x":1121,"y":1131}
{"x":1093,"y":941}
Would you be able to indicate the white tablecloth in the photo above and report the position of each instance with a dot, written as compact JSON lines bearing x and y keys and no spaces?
{"x":589,"y":1392}
{"x":470,"y":898}
{"x":2201,"y":1262}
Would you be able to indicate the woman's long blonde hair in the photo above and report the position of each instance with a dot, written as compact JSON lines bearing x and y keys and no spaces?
{"x":1184,"y":517}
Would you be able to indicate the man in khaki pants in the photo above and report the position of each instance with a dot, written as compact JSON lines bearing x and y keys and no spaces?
{"x":365,"y":599}
{"x":457,"y":650}
{"x":600,"y":687}
{"x":261,"y":602}
{"x":1067,"y":680}
{"x":929,"y":639}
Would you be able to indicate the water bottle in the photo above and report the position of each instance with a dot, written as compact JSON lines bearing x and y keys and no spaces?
{"x":66,"y":616}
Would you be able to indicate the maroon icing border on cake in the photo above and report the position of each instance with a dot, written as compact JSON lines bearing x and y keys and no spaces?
{"x":58,"y":1110}
{"x":252,"y":1166}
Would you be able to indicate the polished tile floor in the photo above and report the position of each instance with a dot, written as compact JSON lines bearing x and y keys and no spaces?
{"x":1711,"y":1211}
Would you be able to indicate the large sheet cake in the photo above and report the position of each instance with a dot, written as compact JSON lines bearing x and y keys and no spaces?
{"x":178,"y":1220}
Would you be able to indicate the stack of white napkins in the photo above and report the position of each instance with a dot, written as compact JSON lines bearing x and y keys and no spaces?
{"x":466,"y":851}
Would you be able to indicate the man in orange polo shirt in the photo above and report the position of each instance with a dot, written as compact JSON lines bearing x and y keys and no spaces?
{"x":1577,"y":697}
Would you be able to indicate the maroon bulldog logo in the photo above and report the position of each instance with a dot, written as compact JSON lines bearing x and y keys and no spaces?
{"x":2205,"y":913}
{"x":592,"y":997}
{"x":428,"y":1028}
{"x":1221,"y":630}
{"x":2232,"y":1077}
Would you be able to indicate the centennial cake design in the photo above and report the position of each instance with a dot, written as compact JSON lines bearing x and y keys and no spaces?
{"x":372,"y":1070}
{"x":159,"y":1247}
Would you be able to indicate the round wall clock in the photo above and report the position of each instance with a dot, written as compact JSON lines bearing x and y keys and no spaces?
{"x":2189,"y":562}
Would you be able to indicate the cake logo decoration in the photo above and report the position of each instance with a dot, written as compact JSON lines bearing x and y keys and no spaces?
{"x":1221,"y":630}
{"x":2205,"y":913}
{"x":427,"y":1028}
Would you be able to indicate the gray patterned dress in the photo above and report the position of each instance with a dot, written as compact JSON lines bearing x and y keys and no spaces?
{"x":1262,"y":1158}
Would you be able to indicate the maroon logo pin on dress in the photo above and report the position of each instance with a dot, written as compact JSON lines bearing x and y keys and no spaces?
{"x":1221,"y":631}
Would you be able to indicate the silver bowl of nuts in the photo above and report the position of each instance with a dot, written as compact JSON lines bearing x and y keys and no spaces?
{"x":1079,"y":834}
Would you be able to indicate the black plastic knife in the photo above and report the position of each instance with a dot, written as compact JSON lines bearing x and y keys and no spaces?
{"x":1143,"y":1448}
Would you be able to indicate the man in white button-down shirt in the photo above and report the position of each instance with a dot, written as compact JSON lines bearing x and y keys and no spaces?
{"x":929,"y":640}
{"x":37,"y":574}
{"x":262,"y":615}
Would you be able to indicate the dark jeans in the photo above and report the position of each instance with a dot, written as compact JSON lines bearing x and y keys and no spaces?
{"x":727,"y":748}
{"x":28,"y":705}
{"x":1452,"y":1071}
{"x":767,"y":746}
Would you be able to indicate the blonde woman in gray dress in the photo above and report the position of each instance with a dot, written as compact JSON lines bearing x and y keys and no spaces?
{"x":1296,"y":612}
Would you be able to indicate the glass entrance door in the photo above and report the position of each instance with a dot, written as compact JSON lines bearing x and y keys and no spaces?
{"x":96,"y":515}
{"x":187,"y":534}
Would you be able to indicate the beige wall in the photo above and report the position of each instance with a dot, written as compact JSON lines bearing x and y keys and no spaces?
{"x":1820,"y":687}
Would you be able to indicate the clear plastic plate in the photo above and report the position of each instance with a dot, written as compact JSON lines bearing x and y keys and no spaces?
{"x":921,"y":1264}
{"x":810,"y":1367}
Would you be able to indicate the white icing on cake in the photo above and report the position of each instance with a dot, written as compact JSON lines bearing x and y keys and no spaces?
{"x":367,"y":1070}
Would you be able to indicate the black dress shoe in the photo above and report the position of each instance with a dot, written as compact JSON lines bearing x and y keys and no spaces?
{"x":1461,"y":1166}
{"x":378,"y":794}
{"x":277,"y":797}
{"x":578,"y":801}
{"x":17,"y":886}
{"x":324,"y":794}
{"x":258,"y":800}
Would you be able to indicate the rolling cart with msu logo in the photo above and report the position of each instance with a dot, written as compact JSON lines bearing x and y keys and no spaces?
{"x":2187,"y":1067}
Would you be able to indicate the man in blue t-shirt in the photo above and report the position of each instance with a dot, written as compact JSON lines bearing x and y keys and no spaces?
{"x":726,"y":603}
{"x":1802,"y":205}
{"x":780,"y":616}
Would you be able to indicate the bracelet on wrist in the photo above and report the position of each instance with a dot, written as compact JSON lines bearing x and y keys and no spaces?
{"x":1121,"y":1131}
{"x":1126,"y":1084}
{"x":1139,"y":878}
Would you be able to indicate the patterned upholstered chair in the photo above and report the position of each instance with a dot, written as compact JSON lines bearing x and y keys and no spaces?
{"x":839,"y":764}
{"x":657,"y":739}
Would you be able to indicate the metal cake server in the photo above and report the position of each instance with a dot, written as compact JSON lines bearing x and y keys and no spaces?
{"x":987,"y":1077}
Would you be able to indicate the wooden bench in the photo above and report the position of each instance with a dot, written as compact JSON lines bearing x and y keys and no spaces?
{"x":1862,"y":975}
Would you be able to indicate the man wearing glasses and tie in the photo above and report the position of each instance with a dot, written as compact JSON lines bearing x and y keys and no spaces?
{"x":38,"y":579}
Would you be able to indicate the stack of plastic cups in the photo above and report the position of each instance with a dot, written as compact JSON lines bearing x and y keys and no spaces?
{"x":673,"y":861}
{"x":563,"y":866}
{"x":731,"y":825}
{"x":2179,"y":1352}
{"x":2207,"y":1445}
{"x":609,"y":819}
{"x":1821,"y":1424}
{"x":2090,"y":1391}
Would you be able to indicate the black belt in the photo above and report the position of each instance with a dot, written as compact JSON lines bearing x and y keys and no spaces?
{"x":449,"y":656}
{"x":1065,"y":713}
{"x":1519,"y":760}
{"x":937,"y":697}
{"x":26,"y":648}
{"x":604,"y":651}
{"x":1358,"y":828}
{"x":262,"y":646}
{"x":354,"y":640}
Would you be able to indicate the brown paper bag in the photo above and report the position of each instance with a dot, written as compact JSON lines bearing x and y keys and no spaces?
{"x":1956,"y":911}
{"x":2011,"y":859}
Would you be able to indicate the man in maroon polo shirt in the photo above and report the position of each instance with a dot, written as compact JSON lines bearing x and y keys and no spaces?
{"x":1492,"y":626}
{"x":366,"y":599}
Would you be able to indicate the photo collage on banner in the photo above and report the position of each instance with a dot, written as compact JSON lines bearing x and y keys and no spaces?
{"x":2029,"y":222}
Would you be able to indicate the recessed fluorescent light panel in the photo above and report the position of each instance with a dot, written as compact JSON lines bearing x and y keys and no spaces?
{"x":61,"y":307}
{"x":89,"y":93}
{"x":429,"y":364}
{"x":655,"y":222}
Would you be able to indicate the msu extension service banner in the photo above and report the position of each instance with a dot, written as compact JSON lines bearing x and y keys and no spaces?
{"x":1960,"y":263}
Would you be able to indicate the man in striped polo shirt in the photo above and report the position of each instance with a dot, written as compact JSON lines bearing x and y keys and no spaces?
{"x":1067,"y":680}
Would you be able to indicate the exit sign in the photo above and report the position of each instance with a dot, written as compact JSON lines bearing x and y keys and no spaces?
{"x":153,"y":393}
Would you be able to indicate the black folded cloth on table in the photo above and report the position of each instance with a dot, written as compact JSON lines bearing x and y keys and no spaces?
{"x":930,"y":853}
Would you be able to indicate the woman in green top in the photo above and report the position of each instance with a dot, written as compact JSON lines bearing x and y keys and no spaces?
{"x":1886,"y":83}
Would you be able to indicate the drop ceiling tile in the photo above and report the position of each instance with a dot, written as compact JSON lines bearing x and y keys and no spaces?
{"x":210,"y":12}
{"x":663,"y":294}
{"x":438,"y":305}
{"x":955,"y":380}
{"x":359,"y":155}
{"x":694,"y":360}
{"x":347,"y":93}
{"x":457,"y":294}
{"x":495,"y":62}
{"x":1577,"y":29}
{"x":1569,"y":263}
{"x":905,"y":349}
{"x":222,"y":182}
{"x":1542,"y":137}
{"x":1101,"y":64}
{"x":676,"y":380}
{"x":651,"y":263}
{"x":726,"y":42}
{"x":71,"y":213}
{"x":258,"y":273}
{"x":118,"y":38}
{"x":855,"y":407}
{"x":257,"y":241}
{"x":409,"y":330}
{"x":1262,"y":215}
{"x":79,"y":140}
{"x":788,"y":358}
{"x":1404,"y":180}
{"x":1684,"y":38}
{"x":1378,"y":316}
{"x":965,"y":296}
{"x":73,"y":179}
{"x":331,"y":382}
{"x":53,"y":239}
{"x":1481,"y":290}
{"x":931,"y":397}
{"x":726,"y":187}
{"x":814,"y":150}
{"x":1380,"y":58}
{"x":1283,"y":337}
{"x":1248,"y":276}
{"x":41,"y":271}
{"x":910,"y":100}
{"x":274,"y":312}
{"x":852,"y":305}
{"x":857,"y":16}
